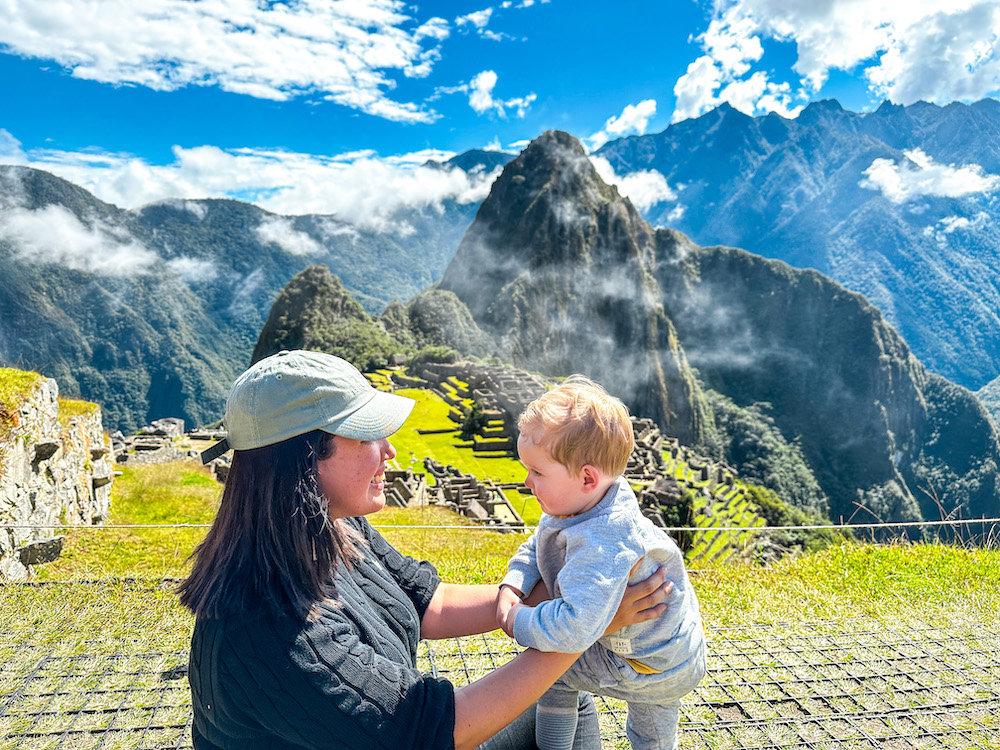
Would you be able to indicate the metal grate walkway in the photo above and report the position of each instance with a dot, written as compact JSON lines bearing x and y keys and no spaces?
{"x":836,"y":686}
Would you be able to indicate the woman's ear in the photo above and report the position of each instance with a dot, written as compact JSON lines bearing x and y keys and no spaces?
{"x":591,"y":477}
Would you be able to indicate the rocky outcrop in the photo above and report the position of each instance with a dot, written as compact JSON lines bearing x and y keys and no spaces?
{"x":55,"y":468}
{"x":314,"y":311}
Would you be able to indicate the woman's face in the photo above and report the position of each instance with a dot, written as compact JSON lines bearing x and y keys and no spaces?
{"x":353,"y":477}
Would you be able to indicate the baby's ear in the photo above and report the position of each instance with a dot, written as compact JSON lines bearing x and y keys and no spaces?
{"x":591,"y":477}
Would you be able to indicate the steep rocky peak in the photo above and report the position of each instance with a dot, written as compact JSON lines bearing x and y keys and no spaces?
{"x":553,"y":166}
{"x":551,"y":205}
{"x":823,"y":109}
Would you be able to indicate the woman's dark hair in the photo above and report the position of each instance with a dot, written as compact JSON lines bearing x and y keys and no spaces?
{"x":273,"y":542}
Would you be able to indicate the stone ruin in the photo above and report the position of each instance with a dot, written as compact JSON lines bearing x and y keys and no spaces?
{"x":405,"y":489}
{"x":53,"y":471}
{"x":484,"y":503}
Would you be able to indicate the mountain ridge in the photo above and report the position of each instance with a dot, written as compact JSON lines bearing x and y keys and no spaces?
{"x":153,"y":312}
{"x":810,"y":191}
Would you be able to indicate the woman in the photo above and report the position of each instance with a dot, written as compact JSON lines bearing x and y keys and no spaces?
{"x":307,"y":620}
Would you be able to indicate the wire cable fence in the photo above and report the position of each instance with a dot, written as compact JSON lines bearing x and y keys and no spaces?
{"x":993,"y":524}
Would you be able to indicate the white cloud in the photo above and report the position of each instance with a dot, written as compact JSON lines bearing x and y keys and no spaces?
{"x":10,"y":149}
{"x":495,"y":36}
{"x":478,"y":18}
{"x":940,"y":231}
{"x":55,"y":235}
{"x":695,"y":92}
{"x":633,"y":119}
{"x":481,"y":97}
{"x":343,"y":51}
{"x":199,"y":210}
{"x":192,"y":270}
{"x":279,"y":231}
{"x":951,"y":223}
{"x":644,"y":189}
{"x":359,"y":188}
{"x":935,"y":50}
{"x":481,"y":91}
{"x":919,"y":175}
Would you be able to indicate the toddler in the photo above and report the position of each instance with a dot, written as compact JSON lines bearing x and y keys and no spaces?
{"x":574,"y":443}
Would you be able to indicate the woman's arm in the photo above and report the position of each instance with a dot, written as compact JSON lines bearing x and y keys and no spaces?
{"x":487,"y":705}
{"x":460,"y":609}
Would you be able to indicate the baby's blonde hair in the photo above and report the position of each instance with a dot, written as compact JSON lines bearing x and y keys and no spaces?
{"x":580,"y":423}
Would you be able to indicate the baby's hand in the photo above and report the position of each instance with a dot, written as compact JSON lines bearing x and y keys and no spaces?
{"x":508,"y":602}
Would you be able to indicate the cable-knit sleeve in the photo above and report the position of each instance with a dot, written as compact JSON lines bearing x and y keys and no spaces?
{"x":317,"y":686}
{"x":418,"y":578}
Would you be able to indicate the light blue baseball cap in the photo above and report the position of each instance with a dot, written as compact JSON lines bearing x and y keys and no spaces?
{"x":294,"y":392}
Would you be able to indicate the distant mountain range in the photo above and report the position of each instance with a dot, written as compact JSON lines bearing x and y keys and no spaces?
{"x":152,"y":312}
{"x":901,"y":204}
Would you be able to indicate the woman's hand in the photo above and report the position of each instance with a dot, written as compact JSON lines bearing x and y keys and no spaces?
{"x":642,"y":601}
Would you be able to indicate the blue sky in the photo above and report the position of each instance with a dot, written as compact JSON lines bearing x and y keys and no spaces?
{"x":331,"y":107}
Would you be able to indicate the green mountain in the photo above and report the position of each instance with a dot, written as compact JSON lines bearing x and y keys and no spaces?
{"x":314,"y":311}
{"x":777,"y":370}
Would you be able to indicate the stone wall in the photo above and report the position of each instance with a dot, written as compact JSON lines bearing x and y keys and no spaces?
{"x":54,"y":469}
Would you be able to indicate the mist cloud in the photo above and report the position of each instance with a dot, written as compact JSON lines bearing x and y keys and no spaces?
{"x":193,"y":270}
{"x":279,"y":231}
{"x":644,"y":189}
{"x":360,"y":188}
{"x":919,"y":175}
{"x":53,"y":234}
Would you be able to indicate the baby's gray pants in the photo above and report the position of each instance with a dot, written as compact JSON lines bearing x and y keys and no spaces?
{"x":653,"y":699}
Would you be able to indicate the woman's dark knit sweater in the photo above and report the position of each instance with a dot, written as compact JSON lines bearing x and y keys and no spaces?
{"x":345,"y":680}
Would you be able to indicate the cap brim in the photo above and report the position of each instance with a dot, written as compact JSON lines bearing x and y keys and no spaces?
{"x":378,"y":418}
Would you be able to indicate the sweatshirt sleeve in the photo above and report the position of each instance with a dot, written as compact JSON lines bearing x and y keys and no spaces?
{"x":522,"y":569}
{"x":325,"y":689}
{"x":599,"y":557}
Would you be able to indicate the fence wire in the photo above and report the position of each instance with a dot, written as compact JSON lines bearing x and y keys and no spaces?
{"x":820,"y":685}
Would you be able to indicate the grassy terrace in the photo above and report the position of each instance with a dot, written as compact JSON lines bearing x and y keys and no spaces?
{"x":15,"y":386}
{"x":854,"y":631}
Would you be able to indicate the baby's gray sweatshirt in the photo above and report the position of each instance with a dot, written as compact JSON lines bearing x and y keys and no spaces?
{"x":584,"y":561}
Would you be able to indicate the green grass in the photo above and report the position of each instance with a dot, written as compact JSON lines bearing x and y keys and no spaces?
{"x":129,"y":609}
{"x":891,"y":584}
{"x":70,"y":408}
{"x":15,"y":387}
{"x":180,"y":492}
